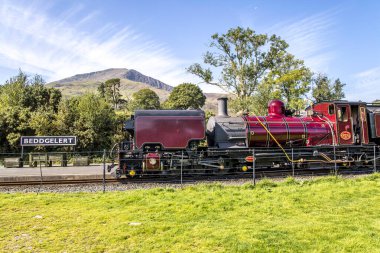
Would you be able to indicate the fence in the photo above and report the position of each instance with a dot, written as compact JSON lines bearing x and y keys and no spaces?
{"x":207,"y":165}
{"x":51,"y":159}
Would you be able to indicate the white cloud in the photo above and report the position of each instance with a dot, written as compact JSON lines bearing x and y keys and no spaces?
{"x":60,"y":46}
{"x":365,"y":85}
{"x":310,"y":39}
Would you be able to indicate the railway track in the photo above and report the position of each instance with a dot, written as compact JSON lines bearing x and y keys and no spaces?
{"x":177,"y":179}
{"x":56,"y":182}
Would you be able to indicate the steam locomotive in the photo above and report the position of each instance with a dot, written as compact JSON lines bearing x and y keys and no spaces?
{"x":332,"y":132}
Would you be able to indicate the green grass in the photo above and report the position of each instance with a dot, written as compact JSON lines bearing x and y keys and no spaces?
{"x":324,"y":215}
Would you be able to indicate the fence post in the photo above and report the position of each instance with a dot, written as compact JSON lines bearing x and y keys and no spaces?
{"x":335,"y":165}
{"x":254,"y":167}
{"x":374,"y":159}
{"x":39,"y":158}
{"x":104,"y":171}
{"x":181,"y":167}
{"x":292,"y":162}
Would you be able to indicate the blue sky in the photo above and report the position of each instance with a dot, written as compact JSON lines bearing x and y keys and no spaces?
{"x":161,"y":38}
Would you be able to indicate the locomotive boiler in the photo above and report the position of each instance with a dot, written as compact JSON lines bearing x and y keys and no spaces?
{"x":277,"y":128}
{"x":164,"y":141}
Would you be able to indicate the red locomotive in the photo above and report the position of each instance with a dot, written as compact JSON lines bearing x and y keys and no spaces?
{"x":164,"y":141}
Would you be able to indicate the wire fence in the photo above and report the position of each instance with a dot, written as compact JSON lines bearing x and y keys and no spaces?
{"x":186,"y":166}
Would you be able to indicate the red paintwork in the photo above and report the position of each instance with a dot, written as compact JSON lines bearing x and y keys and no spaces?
{"x":345,"y":126}
{"x":323,"y":110}
{"x":172,"y":132}
{"x":295,"y":131}
{"x":364,"y":124}
{"x":377,"y":124}
{"x":276,"y":107}
{"x":318,"y":131}
{"x":307,"y":131}
{"x":152,"y":161}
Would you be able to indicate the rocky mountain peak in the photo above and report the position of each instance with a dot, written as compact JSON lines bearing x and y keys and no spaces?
{"x":122,"y":73}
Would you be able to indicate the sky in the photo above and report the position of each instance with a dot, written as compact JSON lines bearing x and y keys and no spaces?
{"x":161,"y":38}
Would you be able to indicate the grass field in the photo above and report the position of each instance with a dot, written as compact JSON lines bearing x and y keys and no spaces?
{"x":324,"y":215}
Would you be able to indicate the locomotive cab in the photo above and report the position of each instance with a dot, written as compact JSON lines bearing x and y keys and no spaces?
{"x":348,"y":120}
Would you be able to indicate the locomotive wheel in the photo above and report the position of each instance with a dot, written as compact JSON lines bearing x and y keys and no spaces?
{"x":226,"y":167}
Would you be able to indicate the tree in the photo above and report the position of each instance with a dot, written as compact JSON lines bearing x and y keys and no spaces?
{"x":41,"y":122}
{"x":39,"y":96}
{"x":14,"y":91}
{"x":102,"y":90}
{"x":291,"y":81}
{"x":29,"y":93}
{"x":324,"y":89}
{"x":90,"y":118}
{"x":27,"y":107}
{"x":112,"y":91}
{"x":258,"y":103}
{"x":145,"y":99}
{"x":184,"y":96}
{"x":247,"y":60}
{"x":14,"y":124}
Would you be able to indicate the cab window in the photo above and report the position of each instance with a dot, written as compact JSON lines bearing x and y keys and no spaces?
{"x":342,"y":114}
{"x":331,"y":109}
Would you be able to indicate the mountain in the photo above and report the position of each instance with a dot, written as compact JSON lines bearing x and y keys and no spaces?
{"x":131,"y":81}
{"x":122,"y":73}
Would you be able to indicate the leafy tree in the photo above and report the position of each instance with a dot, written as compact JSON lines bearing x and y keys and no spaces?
{"x":95,"y":124}
{"x":145,"y":99}
{"x":247,"y":60}
{"x":337,"y":89}
{"x":184,"y":96}
{"x":90,"y":118}
{"x":14,"y":91}
{"x":258,"y":103}
{"x":39,"y":96}
{"x":119,"y":133}
{"x":14,"y":124}
{"x":41,"y":122}
{"x":102,"y":90}
{"x":112,"y":91}
{"x":66,"y":116}
{"x":27,"y":107}
{"x":29,"y":93}
{"x":291,"y":81}
{"x":325,"y":89}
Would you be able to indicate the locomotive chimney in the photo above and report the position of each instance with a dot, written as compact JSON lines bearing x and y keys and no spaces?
{"x":222,"y":107}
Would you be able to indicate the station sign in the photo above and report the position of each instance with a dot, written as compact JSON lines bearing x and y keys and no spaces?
{"x":48,"y":140}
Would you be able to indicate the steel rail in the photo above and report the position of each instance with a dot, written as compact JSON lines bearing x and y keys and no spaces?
{"x":53,"y":182}
{"x":191,"y":178}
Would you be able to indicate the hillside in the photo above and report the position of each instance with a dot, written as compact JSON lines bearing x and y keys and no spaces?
{"x":131,"y":82}
{"x":122,"y":73}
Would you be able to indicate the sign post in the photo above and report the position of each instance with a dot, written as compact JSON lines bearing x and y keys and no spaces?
{"x":32,"y":141}
{"x":48,"y":141}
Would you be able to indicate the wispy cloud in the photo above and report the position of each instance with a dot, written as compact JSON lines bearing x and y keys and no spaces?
{"x":365,"y":85}
{"x":310,"y":39}
{"x":63,"y":45}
